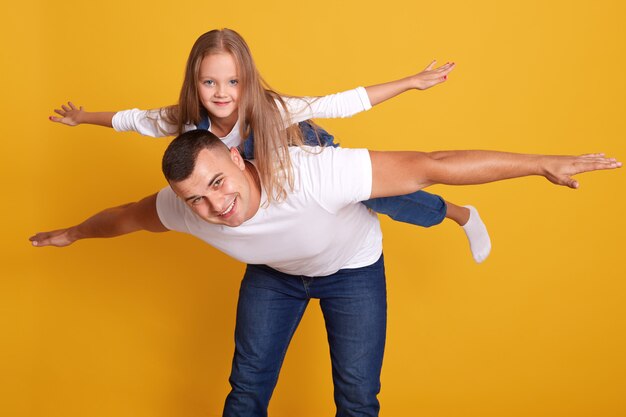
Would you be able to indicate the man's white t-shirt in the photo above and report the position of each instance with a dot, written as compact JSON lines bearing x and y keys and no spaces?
{"x":320,"y":228}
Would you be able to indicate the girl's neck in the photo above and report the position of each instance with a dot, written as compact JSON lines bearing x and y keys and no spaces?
{"x":221,"y":127}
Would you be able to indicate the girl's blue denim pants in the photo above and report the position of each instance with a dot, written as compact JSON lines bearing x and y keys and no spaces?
{"x":271,"y":304}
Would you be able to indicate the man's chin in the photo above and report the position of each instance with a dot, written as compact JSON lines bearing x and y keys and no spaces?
{"x":233,"y":223}
{"x":223,"y":222}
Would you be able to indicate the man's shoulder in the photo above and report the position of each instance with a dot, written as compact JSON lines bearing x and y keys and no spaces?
{"x":171,"y":210}
{"x":304,"y":152}
{"x":343,"y":175}
{"x":315,"y":160}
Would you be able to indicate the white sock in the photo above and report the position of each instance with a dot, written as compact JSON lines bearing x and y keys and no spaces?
{"x":477,"y":234}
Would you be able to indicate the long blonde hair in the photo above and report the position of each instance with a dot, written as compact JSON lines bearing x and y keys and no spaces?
{"x":258,"y":110}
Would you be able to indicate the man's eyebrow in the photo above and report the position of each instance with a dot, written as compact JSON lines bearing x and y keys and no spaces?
{"x":219,"y":174}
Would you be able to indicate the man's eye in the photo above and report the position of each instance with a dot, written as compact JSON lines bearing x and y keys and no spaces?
{"x":196,"y":201}
{"x":234,"y":82}
{"x":217,"y":183}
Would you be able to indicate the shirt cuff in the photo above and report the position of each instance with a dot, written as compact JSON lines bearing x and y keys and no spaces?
{"x":365,"y":100}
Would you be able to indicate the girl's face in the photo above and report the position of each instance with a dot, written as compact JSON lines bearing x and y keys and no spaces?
{"x":218,"y":87}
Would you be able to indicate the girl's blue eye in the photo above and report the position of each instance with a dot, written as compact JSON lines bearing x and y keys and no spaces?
{"x":234,"y":82}
{"x":209,"y":82}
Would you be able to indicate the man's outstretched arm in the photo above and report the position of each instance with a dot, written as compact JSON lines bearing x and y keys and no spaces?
{"x":111,"y":222}
{"x":398,"y":173}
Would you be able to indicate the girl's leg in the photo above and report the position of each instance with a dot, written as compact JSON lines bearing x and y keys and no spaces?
{"x":468,"y":218}
{"x":458,"y":214}
{"x":420,"y":208}
{"x":425,"y":209}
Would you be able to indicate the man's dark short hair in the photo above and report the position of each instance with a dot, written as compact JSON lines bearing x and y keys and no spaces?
{"x":180,"y":156}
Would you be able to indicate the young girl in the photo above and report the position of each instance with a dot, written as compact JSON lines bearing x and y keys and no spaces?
{"x":224,"y":93}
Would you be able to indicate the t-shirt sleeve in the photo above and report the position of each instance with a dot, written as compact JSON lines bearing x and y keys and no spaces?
{"x":172,"y":212}
{"x":344,"y":104}
{"x":338,"y":176}
{"x":144,"y":122}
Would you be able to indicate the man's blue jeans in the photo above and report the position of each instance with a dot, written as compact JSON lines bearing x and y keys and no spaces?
{"x":271,"y":304}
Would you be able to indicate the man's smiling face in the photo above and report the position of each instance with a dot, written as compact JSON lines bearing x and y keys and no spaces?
{"x":220,"y":190}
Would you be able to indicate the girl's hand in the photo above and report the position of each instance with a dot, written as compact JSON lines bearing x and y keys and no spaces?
{"x":430,"y":77}
{"x":70,"y":115}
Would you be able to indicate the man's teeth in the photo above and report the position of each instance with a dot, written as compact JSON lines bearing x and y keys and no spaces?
{"x":225,"y":212}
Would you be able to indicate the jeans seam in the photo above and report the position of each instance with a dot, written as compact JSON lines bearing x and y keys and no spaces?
{"x":306,"y":281}
{"x":291,"y":333}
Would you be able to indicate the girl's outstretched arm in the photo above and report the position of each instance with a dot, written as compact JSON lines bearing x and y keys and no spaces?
{"x":429,"y":77}
{"x":351,"y":102}
{"x":145,"y":122}
{"x":72,"y":116}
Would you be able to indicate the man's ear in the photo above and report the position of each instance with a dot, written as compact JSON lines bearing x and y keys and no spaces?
{"x":237,"y":158}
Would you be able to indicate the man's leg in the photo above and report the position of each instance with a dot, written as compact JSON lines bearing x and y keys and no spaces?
{"x":354,"y":303}
{"x":270,"y":307}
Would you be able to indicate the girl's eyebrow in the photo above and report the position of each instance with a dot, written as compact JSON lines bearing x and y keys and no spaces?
{"x":201,"y":75}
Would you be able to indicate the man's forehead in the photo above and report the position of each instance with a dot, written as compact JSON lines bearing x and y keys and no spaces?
{"x":209,"y":165}
{"x":214,"y":159}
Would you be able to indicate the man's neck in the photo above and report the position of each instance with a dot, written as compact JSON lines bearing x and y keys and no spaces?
{"x":252,"y":174}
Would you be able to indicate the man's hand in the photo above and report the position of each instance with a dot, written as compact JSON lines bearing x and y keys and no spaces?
{"x":111,"y":222}
{"x":70,"y":115}
{"x":560,"y":169}
{"x":59,"y":238}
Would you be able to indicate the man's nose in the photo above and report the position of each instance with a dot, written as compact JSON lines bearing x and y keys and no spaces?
{"x":215,"y":202}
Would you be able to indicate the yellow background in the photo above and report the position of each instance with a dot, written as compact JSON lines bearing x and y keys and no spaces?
{"x":142,"y":325}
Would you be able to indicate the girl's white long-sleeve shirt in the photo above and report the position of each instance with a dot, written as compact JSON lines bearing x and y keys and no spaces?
{"x":339,"y":105}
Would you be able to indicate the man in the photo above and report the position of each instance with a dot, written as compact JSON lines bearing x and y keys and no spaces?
{"x":319,"y":242}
